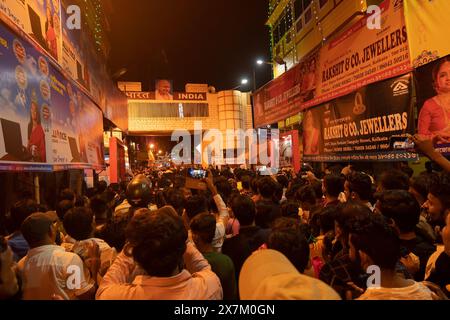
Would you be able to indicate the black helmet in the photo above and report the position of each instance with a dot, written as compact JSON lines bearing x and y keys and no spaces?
{"x":139,"y":193}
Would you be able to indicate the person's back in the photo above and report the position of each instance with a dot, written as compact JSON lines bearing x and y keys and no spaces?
{"x":415,"y":291}
{"x":79,"y":224}
{"x":157,"y":244}
{"x":203,"y":230}
{"x":250,"y":237}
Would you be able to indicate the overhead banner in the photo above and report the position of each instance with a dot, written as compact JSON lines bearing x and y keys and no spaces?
{"x":361,"y":56}
{"x":176,"y":96}
{"x":426,"y":21}
{"x":433,"y":92}
{"x":41,"y":19}
{"x":358,"y":57}
{"x":366,"y":125}
{"x":284,"y":96}
{"x":45,"y":121}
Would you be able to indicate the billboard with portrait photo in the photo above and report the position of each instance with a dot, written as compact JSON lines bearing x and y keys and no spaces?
{"x":433,"y":102}
{"x":163,"y":89}
{"x":40,"y":19}
{"x":46,"y":122}
{"x":360,"y":125}
{"x":25,"y":98}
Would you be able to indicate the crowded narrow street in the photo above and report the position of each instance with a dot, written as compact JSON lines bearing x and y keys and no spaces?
{"x":235,"y":151}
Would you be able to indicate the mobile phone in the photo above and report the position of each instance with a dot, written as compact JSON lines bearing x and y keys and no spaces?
{"x":401,"y":143}
{"x":197,"y":173}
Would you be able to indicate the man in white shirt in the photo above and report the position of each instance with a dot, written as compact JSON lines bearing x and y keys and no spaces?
{"x":48,"y":271}
{"x":174,"y":269}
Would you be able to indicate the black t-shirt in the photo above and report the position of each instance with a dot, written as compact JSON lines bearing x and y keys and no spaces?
{"x":441,"y":273}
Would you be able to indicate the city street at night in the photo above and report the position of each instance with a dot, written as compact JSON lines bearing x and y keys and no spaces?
{"x":234,"y":151}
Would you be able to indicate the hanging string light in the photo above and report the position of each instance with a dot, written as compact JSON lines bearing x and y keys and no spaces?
{"x":318,"y":23}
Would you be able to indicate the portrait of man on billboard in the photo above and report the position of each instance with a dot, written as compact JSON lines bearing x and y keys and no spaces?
{"x":163,"y":90}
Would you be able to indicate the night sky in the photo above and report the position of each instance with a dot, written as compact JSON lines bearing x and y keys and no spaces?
{"x":190,"y":41}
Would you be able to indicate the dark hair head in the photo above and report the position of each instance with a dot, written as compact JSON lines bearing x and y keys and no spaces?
{"x":408,"y":171}
{"x":195,"y":205}
{"x":175,"y":198}
{"x":317,"y":186}
{"x":394,"y":180}
{"x":224,"y":188}
{"x":102,"y":186}
{"x":379,"y":241}
{"x":114,"y":231}
{"x":78,"y":223}
{"x":289,"y":209}
{"x":334,"y":185}
{"x":99,"y":208}
{"x":62,"y":207}
{"x":306,"y":194}
{"x":204,"y":226}
{"x":157,"y":240}
{"x":22,"y":210}
{"x":322,"y":220}
{"x":351,"y":215}
{"x":278,"y":195}
{"x":422,"y":184}
{"x":67,"y":194}
{"x":244,"y":210}
{"x":266,"y":213}
{"x":266,"y":187}
{"x":401,"y":207}
{"x":441,"y":190}
{"x":361,"y":184}
{"x":291,"y":193}
{"x":283,"y":180}
{"x":114,"y":187}
{"x":246,"y":182}
{"x":287,"y":236}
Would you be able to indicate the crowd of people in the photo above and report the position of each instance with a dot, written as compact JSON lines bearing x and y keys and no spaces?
{"x":341,"y":234}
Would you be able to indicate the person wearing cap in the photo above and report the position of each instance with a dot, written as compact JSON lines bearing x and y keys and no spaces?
{"x":173,"y":269}
{"x":48,"y":271}
{"x":269,"y":275}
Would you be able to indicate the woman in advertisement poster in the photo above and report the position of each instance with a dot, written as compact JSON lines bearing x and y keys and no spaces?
{"x":311,"y":135}
{"x":50,"y":33}
{"x":36,"y":135}
{"x":434,"y":118}
{"x":309,"y":80}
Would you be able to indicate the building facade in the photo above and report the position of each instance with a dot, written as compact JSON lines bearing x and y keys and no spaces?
{"x":299,"y":26}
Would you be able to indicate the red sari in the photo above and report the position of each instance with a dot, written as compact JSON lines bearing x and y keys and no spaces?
{"x":37,"y":139}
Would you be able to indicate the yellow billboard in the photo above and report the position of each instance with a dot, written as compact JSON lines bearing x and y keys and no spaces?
{"x":427,"y":23}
